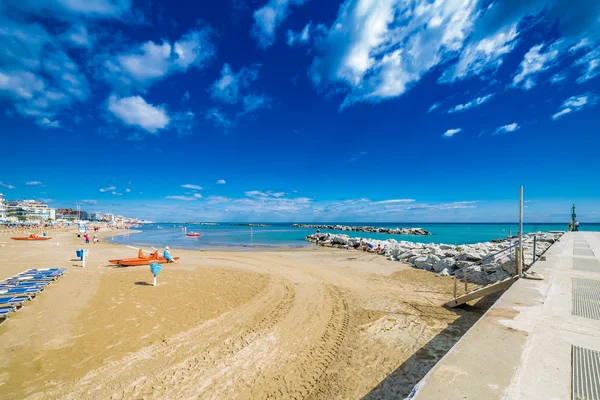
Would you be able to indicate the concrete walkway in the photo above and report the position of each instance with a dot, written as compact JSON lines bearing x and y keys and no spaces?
{"x":522,"y":348}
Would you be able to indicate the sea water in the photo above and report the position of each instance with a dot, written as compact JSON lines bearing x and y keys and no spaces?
{"x":283,"y":235}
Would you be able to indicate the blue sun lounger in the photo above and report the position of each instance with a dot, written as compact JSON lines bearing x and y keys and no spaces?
{"x":16,"y":300}
{"x":17,"y":282}
{"x":15,"y":286}
{"x":58,"y":271}
{"x":45,"y":273}
{"x":23,"y":277}
{"x":7,"y":308}
{"x":25,"y":290}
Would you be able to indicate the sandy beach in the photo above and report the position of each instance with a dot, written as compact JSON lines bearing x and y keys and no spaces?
{"x":303,"y":323}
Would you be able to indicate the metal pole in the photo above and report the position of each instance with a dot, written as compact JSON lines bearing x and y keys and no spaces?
{"x":154,"y":280}
{"x":520,"y":265}
{"x":534,"y":245}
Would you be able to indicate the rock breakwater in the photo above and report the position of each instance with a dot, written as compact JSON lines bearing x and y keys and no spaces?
{"x":392,"y":231}
{"x":479,"y":261}
{"x":253,"y":225}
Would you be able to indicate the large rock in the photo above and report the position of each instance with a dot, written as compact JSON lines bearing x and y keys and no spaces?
{"x":469,"y":254}
{"x":446,"y":263}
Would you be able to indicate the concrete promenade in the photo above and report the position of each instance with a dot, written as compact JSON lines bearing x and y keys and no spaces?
{"x":541,"y":340}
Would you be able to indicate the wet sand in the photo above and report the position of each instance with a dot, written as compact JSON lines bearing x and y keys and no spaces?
{"x":302,"y":323}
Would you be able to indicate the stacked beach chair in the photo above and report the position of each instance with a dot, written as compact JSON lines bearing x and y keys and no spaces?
{"x":16,"y":290}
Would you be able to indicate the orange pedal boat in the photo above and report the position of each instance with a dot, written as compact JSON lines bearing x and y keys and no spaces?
{"x":141,"y":259}
{"x":32,"y":237}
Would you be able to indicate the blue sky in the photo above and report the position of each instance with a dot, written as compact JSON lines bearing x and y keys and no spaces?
{"x":303,"y":110}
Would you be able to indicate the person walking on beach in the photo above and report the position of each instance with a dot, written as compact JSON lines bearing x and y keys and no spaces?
{"x":570,"y":226}
{"x":576,"y":226}
{"x":317,"y":237}
{"x":87,"y":238}
{"x":95,"y":239}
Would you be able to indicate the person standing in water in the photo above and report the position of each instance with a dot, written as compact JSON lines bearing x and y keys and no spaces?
{"x":576,"y":226}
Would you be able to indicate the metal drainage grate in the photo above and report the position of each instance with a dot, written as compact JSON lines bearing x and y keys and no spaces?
{"x":586,"y":298}
{"x":586,"y":264}
{"x":585,"y":376}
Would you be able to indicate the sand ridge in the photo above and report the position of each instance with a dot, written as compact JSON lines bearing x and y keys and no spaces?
{"x":312,"y":323}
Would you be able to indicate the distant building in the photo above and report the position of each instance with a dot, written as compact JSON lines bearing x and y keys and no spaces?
{"x":2,"y":207}
{"x":29,"y":210}
{"x":108,"y":217}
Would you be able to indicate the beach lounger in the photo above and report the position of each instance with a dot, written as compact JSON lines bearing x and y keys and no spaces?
{"x":49,"y":269}
{"x":25,"y":290}
{"x":13,"y":286}
{"x":34,"y":278}
{"x":7,"y":308}
{"x":24,"y":283}
{"x":14,"y":300}
{"x":48,"y":273}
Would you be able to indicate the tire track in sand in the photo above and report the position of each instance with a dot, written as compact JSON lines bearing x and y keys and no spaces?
{"x":304,"y":373}
{"x":141,"y":371}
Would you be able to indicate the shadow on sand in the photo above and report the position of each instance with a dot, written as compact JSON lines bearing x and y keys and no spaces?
{"x":143,"y":284}
{"x":399,"y":383}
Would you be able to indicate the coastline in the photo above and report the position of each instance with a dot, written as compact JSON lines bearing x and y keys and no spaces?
{"x":218,"y":315}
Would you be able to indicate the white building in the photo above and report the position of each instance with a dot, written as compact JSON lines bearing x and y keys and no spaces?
{"x":29,"y":210}
{"x":108,"y":217}
{"x":2,"y":207}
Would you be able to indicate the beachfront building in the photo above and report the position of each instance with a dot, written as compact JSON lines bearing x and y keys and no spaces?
{"x":108,"y":217}
{"x":2,"y":208}
{"x":29,"y":210}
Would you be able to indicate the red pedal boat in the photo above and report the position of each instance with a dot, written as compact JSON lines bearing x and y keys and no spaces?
{"x":193,"y":234}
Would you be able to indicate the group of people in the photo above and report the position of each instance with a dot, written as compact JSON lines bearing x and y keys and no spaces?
{"x":573,"y":228}
{"x":86,"y":237}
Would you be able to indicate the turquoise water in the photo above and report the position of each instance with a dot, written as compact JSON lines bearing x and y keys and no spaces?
{"x":283,"y":235}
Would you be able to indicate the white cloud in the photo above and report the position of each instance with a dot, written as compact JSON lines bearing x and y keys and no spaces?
{"x":33,"y":183}
{"x":534,"y":62}
{"x":300,"y":38}
{"x":197,"y":195}
{"x":445,"y":206}
{"x":127,"y":190}
{"x":108,"y":189}
{"x":117,"y":194}
{"x":149,"y":62}
{"x":507,"y":128}
{"x":377,"y":49}
{"x":78,"y":36}
{"x":183,"y":198}
{"x":37,"y":75}
{"x":90,"y":202}
{"x":451,"y":132}
{"x":263,"y":195}
{"x":254,"y":102}
{"x":590,"y":63}
{"x":482,"y":55}
{"x":473,"y":103}
{"x":221,"y":182}
{"x":434,"y":106}
{"x":6,"y":185}
{"x":190,"y":186}
{"x":576,"y":103}
{"x":558,"y":78}
{"x":268,"y":18}
{"x":48,"y":123}
{"x":220,"y":118}
{"x":135,"y":111}
{"x":229,"y":87}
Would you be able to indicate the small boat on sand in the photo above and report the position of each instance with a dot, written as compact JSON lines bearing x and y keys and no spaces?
{"x":32,"y":237}
{"x":141,"y":259}
{"x":193,"y":234}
